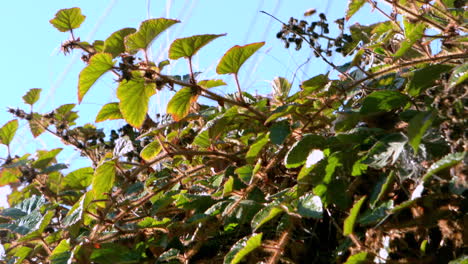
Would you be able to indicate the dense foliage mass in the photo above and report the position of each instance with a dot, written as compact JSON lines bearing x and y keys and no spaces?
{"x":367,"y":167}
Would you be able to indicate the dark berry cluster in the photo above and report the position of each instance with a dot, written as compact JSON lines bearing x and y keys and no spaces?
{"x":315,"y":34}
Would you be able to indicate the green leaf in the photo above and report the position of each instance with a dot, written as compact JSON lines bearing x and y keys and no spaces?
{"x":8,"y":131}
{"x":187,"y":47}
{"x":78,"y":179}
{"x":264,"y":215}
{"x":245,"y":173}
{"x":243,"y":247}
{"x":425,"y":78}
{"x":148,"y":31}
{"x":45,"y":158}
{"x":314,"y":84}
{"x":110,"y":111}
{"x":211,"y":83}
{"x":299,"y":152}
{"x":281,"y":87}
{"x":351,"y":219}
{"x":61,"y":253}
{"x":35,"y":125}
{"x":150,"y":151}
{"x":310,"y":206}
{"x":417,"y":127}
{"x":98,"y":65}
{"x":114,"y":44}
{"x":68,"y":19}
{"x":461,"y":260}
{"x":446,"y":162}
{"x":235,"y":57}
{"x":103,"y":181}
{"x":255,"y":148}
{"x":32,"y":96}
{"x":21,"y":253}
{"x":75,"y":214}
{"x":371,"y":217}
{"x":228,"y":186}
{"x":134,"y":98}
{"x":9,"y":175}
{"x":279,"y":132}
{"x":382,"y":190}
{"x":383,"y":101}
{"x":353,"y":7}
{"x":386,"y":151}
{"x":179,"y":105}
{"x":359,"y":258}
{"x":413,"y":33}
{"x":459,"y":75}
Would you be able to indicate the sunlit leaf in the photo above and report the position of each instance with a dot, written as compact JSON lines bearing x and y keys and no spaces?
{"x":351,"y":219}
{"x":189,"y":46}
{"x":446,"y":162}
{"x":255,"y":148}
{"x":8,"y":131}
{"x":45,"y":158}
{"x":310,"y":206}
{"x":459,"y":75}
{"x":353,"y":7}
{"x":383,"y":101}
{"x":228,"y":186}
{"x":150,"y":151}
{"x":245,"y":173}
{"x":134,"y":98}
{"x":265,"y":215}
{"x":114,"y":44}
{"x":179,"y":105}
{"x":148,"y":31}
{"x":9,"y":175}
{"x":68,"y":19}
{"x":417,"y":127}
{"x":299,"y":152}
{"x":110,"y":111}
{"x":32,"y":96}
{"x":413,"y":33}
{"x":78,"y":179}
{"x":359,"y":258}
{"x":236,"y":56}
{"x":103,"y":181}
{"x":98,"y":65}
{"x":243,"y":247}
{"x":75,"y":214}
{"x":211,"y":83}
{"x":61,"y":253}
{"x":386,"y":151}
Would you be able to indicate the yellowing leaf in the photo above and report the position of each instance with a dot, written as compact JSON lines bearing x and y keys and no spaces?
{"x":103,"y":181}
{"x":151,"y":151}
{"x":148,"y":31}
{"x":187,"y":47}
{"x":211,"y":83}
{"x":98,"y":65}
{"x":109,"y":111}
{"x":115,"y":43}
{"x":68,"y":19}
{"x":236,"y":56}
{"x":134,"y":97}
{"x":7,"y":132}
{"x":179,"y":105}
{"x":32,"y":96}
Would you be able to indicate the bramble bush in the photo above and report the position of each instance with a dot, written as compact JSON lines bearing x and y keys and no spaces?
{"x":366,"y":167}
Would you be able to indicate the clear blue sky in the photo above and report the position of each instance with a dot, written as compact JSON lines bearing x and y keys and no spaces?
{"x":31,"y":51}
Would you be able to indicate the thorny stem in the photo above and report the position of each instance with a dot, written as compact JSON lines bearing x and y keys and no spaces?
{"x":214,"y":96}
{"x":374,"y":5}
{"x":415,"y":15}
{"x":407,"y":64}
{"x":192,"y":76}
{"x":278,"y":251}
